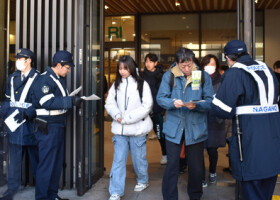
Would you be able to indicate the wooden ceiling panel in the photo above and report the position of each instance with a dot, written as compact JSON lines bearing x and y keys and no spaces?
{"x":146,"y":5}
{"x":172,"y":5}
{"x":116,"y":6}
{"x":197,"y":5}
{"x":182,"y":5}
{"x":131,"y":6}
{"x":189,"y":5}
{"x":269,"y":4}
{"x":186,"y":5}
{"x":277,"y":5}
{"x":159,"y":5}
{"x":193,"y":5}
{"x":163,"y":5}
{"x":125,"y":7}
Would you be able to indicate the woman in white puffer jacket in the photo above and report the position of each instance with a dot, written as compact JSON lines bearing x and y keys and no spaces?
{"x":131,"y":124}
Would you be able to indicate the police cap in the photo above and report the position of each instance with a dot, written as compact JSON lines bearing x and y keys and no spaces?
{"x":63,"y":57}
{"x":24,"y":53}
{"x":235,"y":47}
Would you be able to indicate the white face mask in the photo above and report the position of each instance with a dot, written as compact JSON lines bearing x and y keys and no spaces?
{"x":20,"y":65}
{"x":210,"y":69}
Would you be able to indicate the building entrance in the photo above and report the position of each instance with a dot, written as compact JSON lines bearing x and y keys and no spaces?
{"x":111,"y":57}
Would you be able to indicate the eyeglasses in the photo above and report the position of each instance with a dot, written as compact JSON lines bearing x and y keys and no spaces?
{"x":188,"y":64}
{"x":68,"y":68}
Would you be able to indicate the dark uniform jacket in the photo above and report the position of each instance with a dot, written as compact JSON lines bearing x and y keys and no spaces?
{"x":51,"y":98}
{"x":23,"y":135}
{"x":260,"y":129}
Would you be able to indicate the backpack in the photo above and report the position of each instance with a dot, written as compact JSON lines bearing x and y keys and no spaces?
{"x":172,"y":78}
{"x":140,"y":91}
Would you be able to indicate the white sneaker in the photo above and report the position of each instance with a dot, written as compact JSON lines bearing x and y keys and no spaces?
{"x":115,"y":197}
{"x":204,"y":184}
{"x":163,"y":160}
{"x":140,"y":187}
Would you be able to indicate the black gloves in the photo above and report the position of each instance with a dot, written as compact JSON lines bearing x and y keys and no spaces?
{"x":76,"y":101}
{"x":25,"y":116}
{"x":20,"y":116}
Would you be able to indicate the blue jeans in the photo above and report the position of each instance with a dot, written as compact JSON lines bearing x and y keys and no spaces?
{"x":137,"y":147}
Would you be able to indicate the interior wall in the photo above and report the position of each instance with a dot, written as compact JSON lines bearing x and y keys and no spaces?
{"x":272,"y":39}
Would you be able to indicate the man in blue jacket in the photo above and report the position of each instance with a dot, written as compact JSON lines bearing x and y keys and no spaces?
{"x":19,"y":100}
{"x":248,"y":94}
{"x":186,"y":93}
{"x":52,"y":102}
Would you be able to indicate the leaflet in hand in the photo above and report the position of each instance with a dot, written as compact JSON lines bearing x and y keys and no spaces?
{"x":76,"y":91}
{"x":11,"y":123}
{"x":91,"y":97}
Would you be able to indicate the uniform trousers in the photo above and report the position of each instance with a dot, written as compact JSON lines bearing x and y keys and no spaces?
{"x":258,"y":189}
{"x":51,"y":152}
{"x":15,"y":158}
{"x":195,"y":170}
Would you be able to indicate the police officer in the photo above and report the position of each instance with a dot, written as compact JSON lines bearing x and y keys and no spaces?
{"x":248,"y":94}
{"x":52,"y":103}
{"x":19,"y":99}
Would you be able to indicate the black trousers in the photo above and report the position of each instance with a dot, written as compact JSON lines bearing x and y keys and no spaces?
{"x":258,"y":189}
{"x":213,"y":159}
{"x":195,"y":170}
{"x":158,"y":126}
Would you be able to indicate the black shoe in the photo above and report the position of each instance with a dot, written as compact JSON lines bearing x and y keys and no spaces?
{"x":59,"y":198}
{"x":227,"y":169}
{"x":8,"y":195}
{"x":182,"y":170}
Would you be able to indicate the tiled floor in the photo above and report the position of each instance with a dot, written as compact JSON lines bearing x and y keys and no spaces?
{"x":224,"y":189}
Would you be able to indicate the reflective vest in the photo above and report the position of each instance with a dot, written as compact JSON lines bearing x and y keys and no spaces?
{"x":266,"y":101}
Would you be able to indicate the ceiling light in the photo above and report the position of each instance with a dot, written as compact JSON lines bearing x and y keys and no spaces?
{"x":177,"y":3}
{"x":106,"y":7}
{"x":256,"y":1}
{"x":113,"y":22}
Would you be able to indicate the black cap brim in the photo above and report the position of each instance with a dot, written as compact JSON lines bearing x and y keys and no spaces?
{"x":21,"y":56}
{"x":71,"y":64}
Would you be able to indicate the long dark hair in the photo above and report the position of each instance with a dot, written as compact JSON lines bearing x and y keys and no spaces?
{"x":131,"y":66}
{"x":206,"y":60}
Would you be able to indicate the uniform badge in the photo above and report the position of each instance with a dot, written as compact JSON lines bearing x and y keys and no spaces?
{"x":19,"y":50}
{"x":45,"y":89}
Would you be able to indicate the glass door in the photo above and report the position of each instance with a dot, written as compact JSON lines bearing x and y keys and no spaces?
{"x":90,"y":116}
{"x":4,"y":54}
{"x":111,"y":58}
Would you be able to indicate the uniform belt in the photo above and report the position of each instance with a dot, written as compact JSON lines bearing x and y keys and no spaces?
{"x":20,"y":104}
{"x":50,"y":112}
{"x":241,"y":110}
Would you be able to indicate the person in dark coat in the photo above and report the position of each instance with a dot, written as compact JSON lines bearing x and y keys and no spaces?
{"x":248,"y":94}
{"x":153,"y":74}
{"x":19,"y":100}
{"x":52,"y":101}
{"x":216,"y":125}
